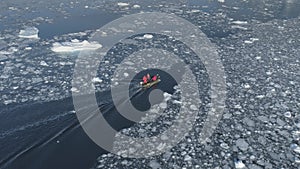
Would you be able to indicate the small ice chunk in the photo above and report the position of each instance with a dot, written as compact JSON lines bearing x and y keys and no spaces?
{"x":193,"y":107}
{"x":247,"y":86}
{"x":295,"y":148}
{"x":129,"y":63}
{"x":12,"y":8}
{"x":163,"y":105}
{"x":28,"y":48}
{"x":74,"y":89}
{"x":242,"y":144}
{"x":74,"y":46}
{"x":187,"y":158}
{"x":125,"y":162}
{"x":126,"y":74}
{"x":195,"y":11}
{"x":97,"y":80}
{"x":177,"y":102}
{"x":148,"y":36}
{"x":221,"y":1}
{"x":122,"y":4}
{"x":239,"y":27}
{"x":224,"y":145}
{"x":269,"y":73}
{"x":239,"y":164}
{"x":164,"y":137}
{"x":288,"y":114}
{"x":167,"y":96}
{"x":43,"y":63}
{"x":136,"y":6}
{"x":3,"y":57}
{"x":252,"y":40}
{"x":154,"y":164}
{"x":6,"y":102}
{"x":260,"y":96}
{"x":29,"y":32}
{"x":248,"y":41}
{"x":161,"y":146}
{"x":3,"y":44}
{"x":240,"y":22}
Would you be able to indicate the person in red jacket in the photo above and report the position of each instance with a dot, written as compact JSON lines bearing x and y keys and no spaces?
{"x":148,"y":77}
{"x":154,"y":78}
{"x":145,"y":79}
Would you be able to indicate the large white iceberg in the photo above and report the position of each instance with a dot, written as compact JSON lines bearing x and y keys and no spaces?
{"x":74,"y":46}
{"x":29,"y":32}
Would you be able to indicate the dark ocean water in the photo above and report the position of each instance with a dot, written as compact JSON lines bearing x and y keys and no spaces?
{"x":71,"y":147}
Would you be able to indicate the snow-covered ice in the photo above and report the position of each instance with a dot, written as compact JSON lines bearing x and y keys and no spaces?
{"x":3,"y":57}
{"x":148,"y":36}
{"x":136,"y":6}
{"x":43,"y":63}
{"x":154,"y":164}
{"x":242,"y":144}
{"x":239,"y":164}
{"x":122,"y":4}
{"x":74,"y":46}
{"x":295,"y":148}
{"x":29,"y":32}
{"x":97,"y":80}
{"x":240,"y":22}
{"x":126,"y":74}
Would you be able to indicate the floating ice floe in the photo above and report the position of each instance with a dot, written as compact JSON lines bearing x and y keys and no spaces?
{"x":12,"y":8}
{"x":97,"y":80}
{"x":239,"y":164}
{"x":148,"y":36}
{"x":242,"y":144}
{"x":221,"y":1}
{"x":239,"y":27}
{"x":251,"y":40}
{"x":247,"y":86}
{"x":240,"y":22}
{"x":74,"y":89}
{"x":136,"y":6}
{"x":167,"y":96}
{"x":154,"y":164}
{"x":28,"y":48}
{"x":126,"y":74}
{"x":29,"y":32}
{"x":75,"y":46}
{"x":195,"y":11}
{"x":288,"y":114}
{"x":295,"y":148}
{"x":193,"y":107}
{"x":43,"y":63}
{"x":122,"y":4}
{"x":163,"y":105}
{"x":3,"y":57}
